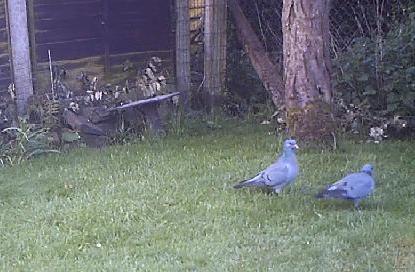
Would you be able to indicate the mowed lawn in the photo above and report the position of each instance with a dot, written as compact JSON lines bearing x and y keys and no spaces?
{"x":169,"y":205}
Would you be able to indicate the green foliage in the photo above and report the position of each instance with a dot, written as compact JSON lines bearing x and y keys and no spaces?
{"x":169,"y":205}
{"x":23,"y":142}
{"x":379,"y":72}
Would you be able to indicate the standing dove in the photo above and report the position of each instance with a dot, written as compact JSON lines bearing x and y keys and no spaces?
{"x":279,"y":174}
{"x":352,"y":187}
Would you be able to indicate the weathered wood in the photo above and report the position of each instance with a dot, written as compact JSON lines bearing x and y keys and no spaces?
{"x":59,"y":11}
{"x":267,"y":71}
{"x":3,"y":21}
{"x":89,"y":31}
{"x":80,"y":29}
{"x":183,"y":51}
{"x":148,"y":107}
{"x":135,"y":30}
{"x":32,"y":35}
{"x":22,"y":69}
{"x":122,"y":38}
{"x":49,"y":2}
{"x":70,"y":50}
{"x":5,"y":71}
{"x":152,"y":118}
{"x":213,"y":51}
{"x":93,"y":135}
{"x":106,"y":35}
{"x":210,"y":70}
{"x":66,"y":23}
{"x":81,"y":123}
{"x":96,"y":123}
{"x":5,"y":59}
{"x":222,"y":32}
{"x":140,"y":41}
{"x":152,"y":100}
{"x":142,"y":58}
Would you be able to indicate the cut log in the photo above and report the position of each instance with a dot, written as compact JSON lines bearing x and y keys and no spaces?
{"x":81,"y":123}
{"x":148,"y":107}
{"x":90,"y":133}
{"x":96,"y":124}
{"x":267,"y":71}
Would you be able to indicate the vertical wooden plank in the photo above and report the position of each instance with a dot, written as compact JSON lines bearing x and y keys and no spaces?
{"x":9,"y":50}
{"x":105,"y":21}
{"x":208,"y":69}
{"x":183,"y":51}
{"x":32,"y":29}
{"x":213,"y":50}
{"x":222,"y":24}
{"x":19,"y":38}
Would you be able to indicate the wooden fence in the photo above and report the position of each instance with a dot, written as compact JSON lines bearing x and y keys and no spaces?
{"x":5,"y":71}
{"x":96,"y":35}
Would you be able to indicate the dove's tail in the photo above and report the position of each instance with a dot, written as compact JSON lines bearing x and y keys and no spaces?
{"x":255,"y":181}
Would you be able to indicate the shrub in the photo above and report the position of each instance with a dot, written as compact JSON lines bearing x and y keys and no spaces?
{"x":379,"y":72}
{"x":23,"y":142}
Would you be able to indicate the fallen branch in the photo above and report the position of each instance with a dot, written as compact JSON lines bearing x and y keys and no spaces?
{"x":267,"y":71}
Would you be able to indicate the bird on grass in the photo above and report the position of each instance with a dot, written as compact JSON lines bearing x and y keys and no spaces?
{"x":354,"y":187}
{"x":282,"y":172}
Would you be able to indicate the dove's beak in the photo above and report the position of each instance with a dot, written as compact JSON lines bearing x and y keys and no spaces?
{"x":296,"y":146}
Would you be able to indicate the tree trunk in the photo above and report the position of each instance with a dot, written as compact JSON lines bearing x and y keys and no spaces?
{"x":267,"y":71}
{"x":183,"y":51}
{"x":307,"y":67}
{"x":19,"y":39}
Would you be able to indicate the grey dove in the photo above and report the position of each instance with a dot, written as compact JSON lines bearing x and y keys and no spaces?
{"x":354,"y":187}
{"x":282,"y":172}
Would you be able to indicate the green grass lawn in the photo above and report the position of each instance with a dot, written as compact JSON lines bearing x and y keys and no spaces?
{"x":169,"y":205}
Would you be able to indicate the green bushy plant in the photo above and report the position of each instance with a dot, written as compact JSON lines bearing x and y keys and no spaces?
{"x":379,"y":72}
{"x":23,"y":142}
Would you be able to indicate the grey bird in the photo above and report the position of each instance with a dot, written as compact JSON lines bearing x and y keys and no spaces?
{"x":279,"y":174}
{"x":354,"y":187}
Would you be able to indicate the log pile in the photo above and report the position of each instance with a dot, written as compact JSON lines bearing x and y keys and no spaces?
{"x":96,"y":124}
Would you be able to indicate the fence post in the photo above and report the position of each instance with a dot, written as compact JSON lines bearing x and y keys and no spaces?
{"x":222,"y":6}
{"x":214,"y":41}
{"x":19,"y":43}
{"x":183,"y":51}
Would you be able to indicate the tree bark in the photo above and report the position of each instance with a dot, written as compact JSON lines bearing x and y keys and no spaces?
{"x":307,"y":67}
{"x":183,"y":51}
{"x":267,"y":71}
{"x":19,"y":39}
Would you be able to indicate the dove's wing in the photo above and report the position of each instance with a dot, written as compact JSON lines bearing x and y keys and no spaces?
{"x":276,"y":174}
{"x":359,"y":185}
{"x":353,"y":186}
